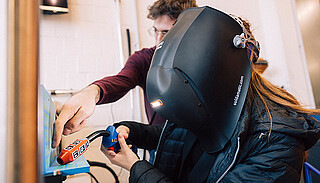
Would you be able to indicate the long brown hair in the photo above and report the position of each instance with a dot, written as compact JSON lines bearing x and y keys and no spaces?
{"x":267,"y":91}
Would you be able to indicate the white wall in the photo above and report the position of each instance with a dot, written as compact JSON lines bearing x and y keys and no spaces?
{"x":309,"y":20}
{"x":3,"y":87}
{"x":285,"y":50}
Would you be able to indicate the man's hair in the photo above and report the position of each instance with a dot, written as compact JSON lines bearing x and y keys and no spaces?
{"x":172,"y":8}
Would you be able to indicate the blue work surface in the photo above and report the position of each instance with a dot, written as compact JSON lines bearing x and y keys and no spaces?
{"x":50,"y":166}
{"x":80,"y":165}
{"x":317,"y":117}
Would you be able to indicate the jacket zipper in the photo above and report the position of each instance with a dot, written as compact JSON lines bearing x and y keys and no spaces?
{"x":233,"y":161}
{"x":155,"y":154}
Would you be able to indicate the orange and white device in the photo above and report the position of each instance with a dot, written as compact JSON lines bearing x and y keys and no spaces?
{"x":78,"y":147}
{"x":73,"y":151}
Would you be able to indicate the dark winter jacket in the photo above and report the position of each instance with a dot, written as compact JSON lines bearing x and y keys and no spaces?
{"x":253,"y":154}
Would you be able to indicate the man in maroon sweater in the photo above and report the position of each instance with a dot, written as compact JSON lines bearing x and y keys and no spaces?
{"x":80,"y":106}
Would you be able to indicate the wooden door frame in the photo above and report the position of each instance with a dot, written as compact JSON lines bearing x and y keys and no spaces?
{"x":23,"y":46}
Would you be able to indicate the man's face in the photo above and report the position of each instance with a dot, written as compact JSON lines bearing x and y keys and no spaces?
{"x":161,"y":26}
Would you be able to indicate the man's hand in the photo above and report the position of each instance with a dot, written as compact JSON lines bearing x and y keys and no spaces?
{"x":72,"y":115}
{"x":125,"y":158}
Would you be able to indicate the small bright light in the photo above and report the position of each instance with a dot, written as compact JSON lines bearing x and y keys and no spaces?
{"x":156,"y":103}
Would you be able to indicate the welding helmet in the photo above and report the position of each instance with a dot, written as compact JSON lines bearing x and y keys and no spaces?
{"x":200,"y":74}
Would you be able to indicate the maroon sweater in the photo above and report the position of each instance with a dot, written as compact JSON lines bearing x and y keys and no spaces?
{"x":134,"y":73}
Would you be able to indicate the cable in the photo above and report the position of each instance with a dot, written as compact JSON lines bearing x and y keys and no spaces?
{"x":99,"y":164}
{"x":129,"y":42}
{"x":120,"y":172}
{"x":92,"y":176}
{"x":97,"y":134}
{"x":152,"y":117}
{"x":151,"y":121}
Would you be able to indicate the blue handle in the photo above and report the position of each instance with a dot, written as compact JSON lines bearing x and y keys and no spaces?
{"x":111,"y":142}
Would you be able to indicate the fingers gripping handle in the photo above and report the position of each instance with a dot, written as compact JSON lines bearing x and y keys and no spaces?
{"x":111,"y":142}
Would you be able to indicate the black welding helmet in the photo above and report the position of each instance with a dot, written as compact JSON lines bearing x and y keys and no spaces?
{"x":200,"y":73}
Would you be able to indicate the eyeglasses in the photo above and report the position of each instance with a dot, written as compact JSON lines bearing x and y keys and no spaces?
{"x":154,"y":32}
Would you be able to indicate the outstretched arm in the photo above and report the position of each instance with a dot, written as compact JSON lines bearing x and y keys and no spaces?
{"x":79,"y":107}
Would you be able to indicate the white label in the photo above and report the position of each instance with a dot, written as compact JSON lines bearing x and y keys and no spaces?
{"x":236,"y":98}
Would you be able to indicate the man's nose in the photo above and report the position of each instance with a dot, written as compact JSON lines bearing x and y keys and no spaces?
{"x":158,"y":38}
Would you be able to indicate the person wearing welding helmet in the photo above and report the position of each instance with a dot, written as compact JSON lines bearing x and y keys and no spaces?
{"x":226,"y":123}
{"x":73,"y":114}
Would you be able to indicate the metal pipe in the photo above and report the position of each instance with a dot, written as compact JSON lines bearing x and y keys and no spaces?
{"x":63,"y":92}
{"x":136,"y":47}
{"x":118,"y":20}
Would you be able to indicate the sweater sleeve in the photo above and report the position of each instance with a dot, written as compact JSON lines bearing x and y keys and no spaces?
{"x":142,"y":135}
{"x":144,"y":172}
{"x":133,"y":74}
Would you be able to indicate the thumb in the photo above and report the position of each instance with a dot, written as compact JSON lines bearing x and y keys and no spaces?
{"x":122,"y":142}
